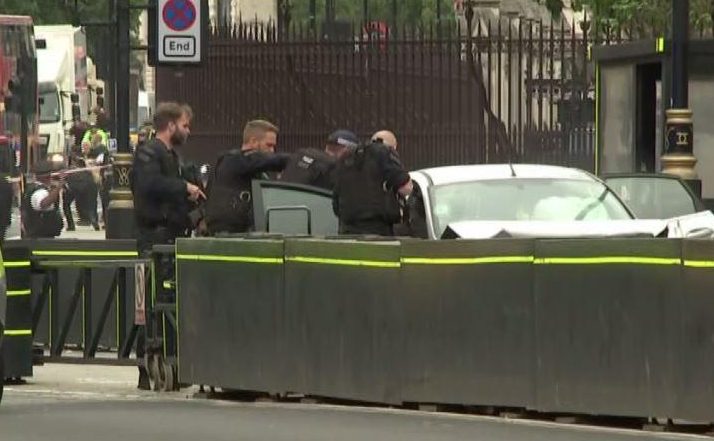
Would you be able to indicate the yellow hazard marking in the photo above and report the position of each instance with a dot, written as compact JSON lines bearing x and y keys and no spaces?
{"x":19,"y":292}
{"x":17,"y":332}
{"x":240,"y":259}
{"x":344,"y":262}
{"x":86,"y":253}
{"x":607,"y":260}
{"x":20,"y":264}
{"x":486,"y":260}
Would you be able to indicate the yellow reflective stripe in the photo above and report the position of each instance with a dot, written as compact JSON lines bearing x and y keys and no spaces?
{"x":17,"y":332}
{"x":241,"y":259}
{"x":19,"y":292}
{"x":607,"y":260}
{"x":660,"y":45}
{"x":344,"y":262}
{"x":699,"y":263}
{"x":19,"y":264}
{"x":86,"y":253}
{"x":466,"y":260}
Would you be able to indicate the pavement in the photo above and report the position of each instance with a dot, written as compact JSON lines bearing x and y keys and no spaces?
{"x":86,"y":403}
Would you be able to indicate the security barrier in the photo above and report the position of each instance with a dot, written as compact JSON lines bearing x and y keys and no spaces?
{"x":17,"y":346}
{"x":619,"y":327}
{"x":77,"y":294}
{"x":161,"y":321}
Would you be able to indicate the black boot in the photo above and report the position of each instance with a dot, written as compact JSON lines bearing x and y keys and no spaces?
{"x":144,"y":383}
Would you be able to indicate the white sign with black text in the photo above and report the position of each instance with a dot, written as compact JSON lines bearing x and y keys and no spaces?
{"x":179,"y":31}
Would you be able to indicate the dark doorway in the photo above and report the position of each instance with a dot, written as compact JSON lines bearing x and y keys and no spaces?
{"x":646,"y":149}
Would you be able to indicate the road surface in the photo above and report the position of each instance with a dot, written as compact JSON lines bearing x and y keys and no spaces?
{"x":78,"y":403}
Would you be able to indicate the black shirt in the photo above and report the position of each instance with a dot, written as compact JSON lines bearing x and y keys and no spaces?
{"x":160,"y":197}
{"x":230,"y":203}
{"x":310,"y":167}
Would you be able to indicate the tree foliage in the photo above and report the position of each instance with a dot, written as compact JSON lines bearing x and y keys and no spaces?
{"x":641,"y":16}
{"x":50,"y":12}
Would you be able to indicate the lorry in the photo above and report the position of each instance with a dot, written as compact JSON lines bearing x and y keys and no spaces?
{"x":68,"y":87}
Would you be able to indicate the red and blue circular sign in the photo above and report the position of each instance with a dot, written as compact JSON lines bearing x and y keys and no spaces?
{"x":179,"y":15}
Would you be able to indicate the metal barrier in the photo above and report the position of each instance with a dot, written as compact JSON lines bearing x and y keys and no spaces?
{"x":82,"y":298}
{"x":17,"y":348}
{"x":84,"y":290}
{"x":620,"y":327}
{"x":161,"y":324}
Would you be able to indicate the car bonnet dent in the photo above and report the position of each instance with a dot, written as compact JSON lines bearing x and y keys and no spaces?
{"x":699,"y":225}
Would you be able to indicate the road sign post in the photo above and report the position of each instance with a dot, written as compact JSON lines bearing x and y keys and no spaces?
{"x":179,"y":34}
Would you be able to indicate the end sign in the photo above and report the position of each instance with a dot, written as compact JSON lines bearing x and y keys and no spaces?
{"x":180,"y":36}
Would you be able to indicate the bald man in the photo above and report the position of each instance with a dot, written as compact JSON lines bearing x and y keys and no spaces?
{"x":387,"y":138}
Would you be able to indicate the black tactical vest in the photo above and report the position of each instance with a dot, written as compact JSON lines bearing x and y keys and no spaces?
{"x":39,"y":224}
{"x":230,"y":202}
{"x":310,"y":167}
{"x":360,"y":189}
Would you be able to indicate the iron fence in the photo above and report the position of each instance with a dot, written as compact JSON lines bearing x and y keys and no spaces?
{"x":481,"y":93}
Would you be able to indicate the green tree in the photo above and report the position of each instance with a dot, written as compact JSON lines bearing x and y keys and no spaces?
{"x":49,"y":12}
{"x":642,"y":17}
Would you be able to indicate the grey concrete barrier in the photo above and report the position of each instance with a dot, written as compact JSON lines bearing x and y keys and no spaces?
{"x":468,"y":311}
{"x":621,"y":327}
{"x":607,"y":315}
{"x":231,"y":313}
{"x":343,"y":319}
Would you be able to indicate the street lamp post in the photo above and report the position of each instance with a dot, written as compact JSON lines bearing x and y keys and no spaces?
{"x":120,"y":213}
{"x":679,"y":158}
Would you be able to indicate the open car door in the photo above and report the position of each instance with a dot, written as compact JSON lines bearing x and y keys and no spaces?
{"x":288,"y":208}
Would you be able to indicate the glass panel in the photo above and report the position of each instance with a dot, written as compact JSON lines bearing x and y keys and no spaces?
{"x":49,"y":107}
{"x":617,"y":111}
{"x":524,"y":200}
{"x":701,"y":97}
{"x":653,"y":198}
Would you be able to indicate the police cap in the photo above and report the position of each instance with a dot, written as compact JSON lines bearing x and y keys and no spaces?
{"x":343,"y":138}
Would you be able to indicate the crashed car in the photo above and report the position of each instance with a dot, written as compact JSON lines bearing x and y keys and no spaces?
{"x":484,"y":201}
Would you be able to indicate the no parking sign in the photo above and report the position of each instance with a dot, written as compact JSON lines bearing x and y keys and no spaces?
{"x":180,"y":31}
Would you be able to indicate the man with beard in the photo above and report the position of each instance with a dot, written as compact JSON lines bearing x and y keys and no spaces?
{"x":162,"y":196}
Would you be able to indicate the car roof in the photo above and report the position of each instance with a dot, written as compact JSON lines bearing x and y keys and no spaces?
{"x":478,"y":172}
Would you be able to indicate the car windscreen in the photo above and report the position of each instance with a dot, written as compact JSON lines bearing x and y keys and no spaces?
{"x":49,"y":107}
{"x":521,"y":199}
{"x":653,"y":197}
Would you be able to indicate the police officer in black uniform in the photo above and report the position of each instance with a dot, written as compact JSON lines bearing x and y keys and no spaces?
{"x":316,"y":167}
{"x":162,"y":196}
{"x":39,"y":210}
{"x":230,"y":198}
{"x":369,"y":181}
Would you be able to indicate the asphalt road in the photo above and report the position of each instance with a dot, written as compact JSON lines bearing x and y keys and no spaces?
{"x":100,"y":403}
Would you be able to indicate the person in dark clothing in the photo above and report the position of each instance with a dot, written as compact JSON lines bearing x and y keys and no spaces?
{"x":162,"y":197}
{"x":369,"y":180}
{"x":230,"y":203}
{"x":315,"y":167}
{"x":39,"y":209}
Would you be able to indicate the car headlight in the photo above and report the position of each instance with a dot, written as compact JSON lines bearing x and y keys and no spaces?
{"x":57,"y":158}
